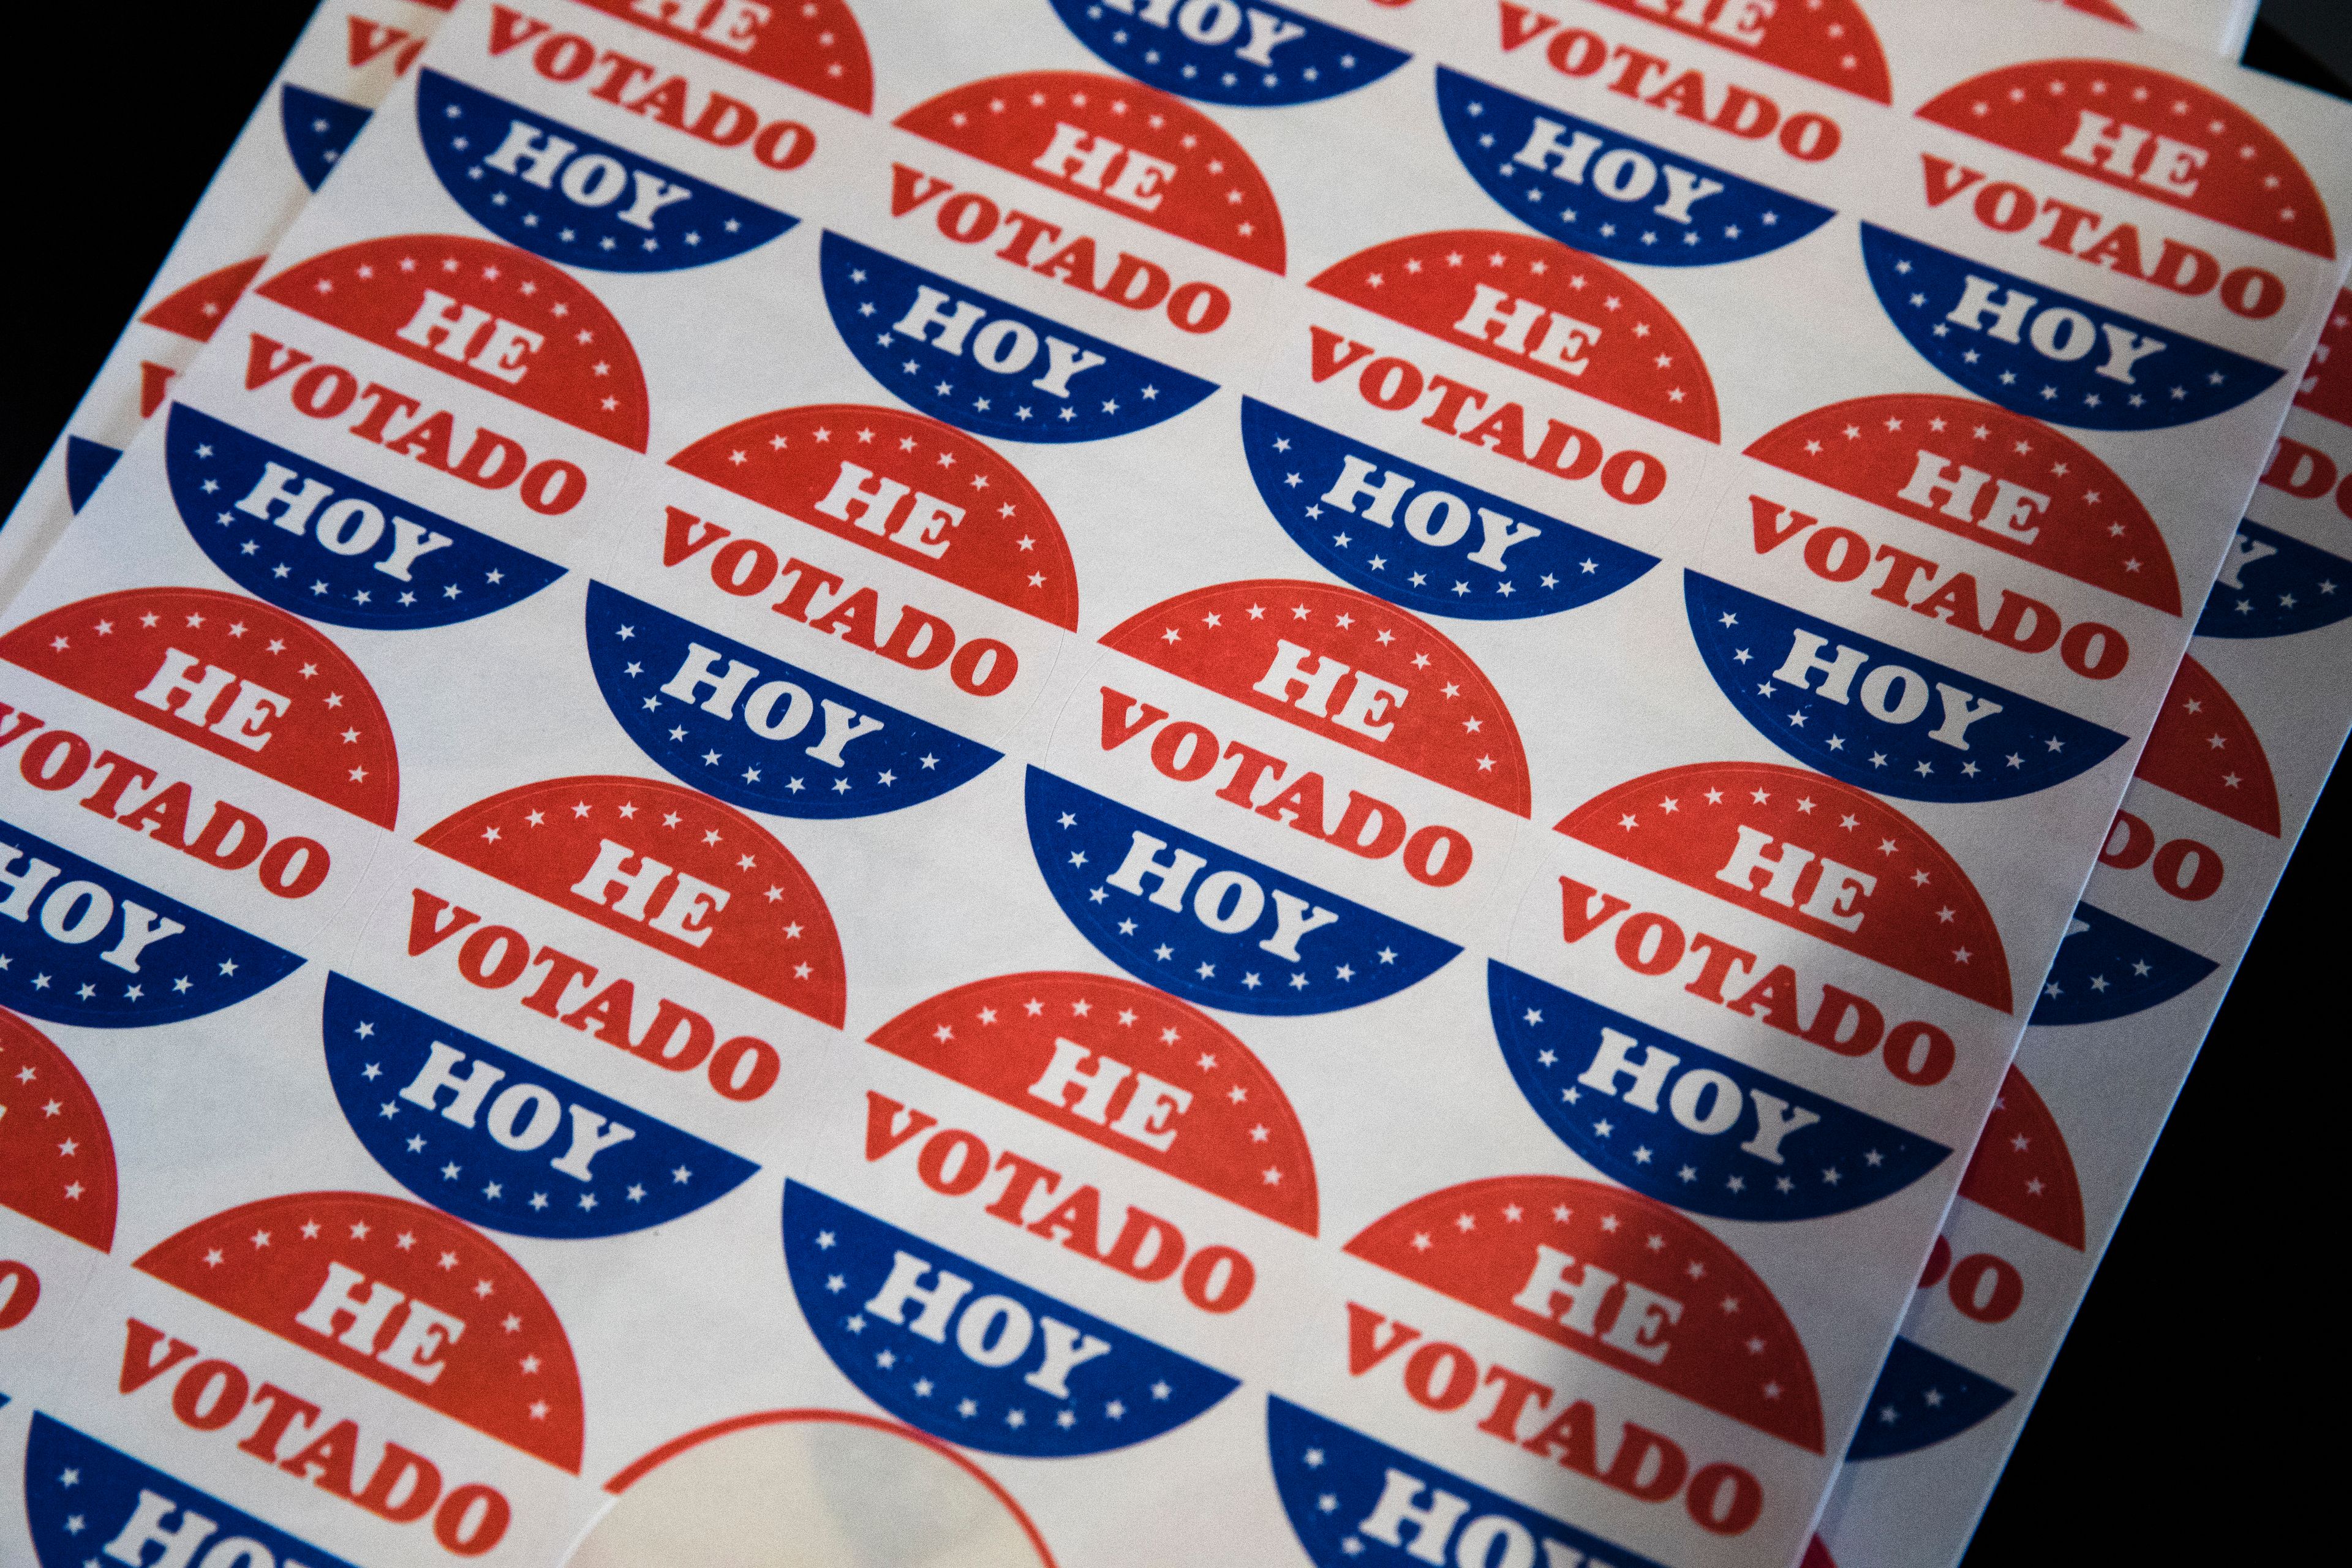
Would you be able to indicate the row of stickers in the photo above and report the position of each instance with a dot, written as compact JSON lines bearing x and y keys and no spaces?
{"x":803,"y":738}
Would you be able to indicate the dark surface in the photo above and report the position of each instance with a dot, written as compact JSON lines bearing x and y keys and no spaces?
{"x":2184,"y":1410}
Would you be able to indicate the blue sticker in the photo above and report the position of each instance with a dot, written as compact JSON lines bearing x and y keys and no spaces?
{"x":291,"y":531}
{"x":318,"y":129}
{"x":2035,"y":351}
{"x":1460,"y":551}
{"x":1921,"y":1398}
{"x":756,"y":731}
{"x":87,"y":1502}
{"x":500,"y":1142}
{"x":1255,"y":56}
{"x":987,"y":366}
{"x":81,"y":944}
{"x":1218,"y":929}
{"x":567,"y":196}
{"x":2274,"y":585}
{"x":1355,"y":1502}
{"x":87,"y":465}
{"x":969,"y":1355}
{"x":1608,"y":193}
{"x":1878,"y":716}
{"x":1688,"y":1126}
{"x":2107,"y":968}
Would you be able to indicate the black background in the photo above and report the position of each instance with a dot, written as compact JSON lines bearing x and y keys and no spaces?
{"x":2188,"y":1412}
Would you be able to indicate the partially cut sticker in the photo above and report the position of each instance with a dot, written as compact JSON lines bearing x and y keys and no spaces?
{"x":240,"y":678}
{"x":812,"y":45}
{"x":1592,"y":186}
{"x":1216,"y":928}
{"x":401,"y":1294}
{"x":194,"y":309}
{"x":1674,"y":1306}
{"x":1261,"y":55}
{"x":1124,"y":1067}
{"x":1124,"y":147}
{"x":1362,"y":673}
{"x":1563,"y":315}
{"x":2160,"y":136}
{"x":1688,"y":1126}
{"x":2108,"y":968}
{"x":975,"y":1356}
{"x":318,"y":129}
{"x":1813,"y":855}
{"x":2273,"y":585}
{"x":494,"y":316}
{"x":668,"y":867}
{"x":1978,"y":471}
{"x":1921,"y":1398}
{"x":500,"y":1142}
{"x":913,"y":489}
{"x":2203,"y":748}
{"x":1878,"y":716}
{"x":56,"y":1157}
{"x":2021,"y":1169}
{"x":1830,"y":41}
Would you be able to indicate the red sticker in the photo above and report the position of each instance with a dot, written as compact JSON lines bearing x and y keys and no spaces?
{"x":1127,"y":148}
{"x":923,"y":493}
{"x":500,"y":318}
{"x":1128,"y":1067}
{"x":1617,"y":1276}
{"x":194,"y":309}
{"x":235,"y":675}
{"x":57,"y":1158}
{"x":812,"y":45}
{"x":2106,"y":11}
{"x":668,"y":867}
{"x":2328,"y":381}
{"x":1815,"y":854}
{"x":2154,"y":135}
{"x":2008,"y":482}
{"x":1538,"y":306}
{"x":1345,"y":665}
{"x":400,"y":1294}
{"x":2202,"y":749}
{"x":2021,"y":1170}
{"x":1828,"y":40}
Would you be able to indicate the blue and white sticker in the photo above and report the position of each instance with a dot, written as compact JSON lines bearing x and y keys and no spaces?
{"x":562,"y":193}
{"x":318,"y":129}
{"x":87,"y":465}
{"x":82,"y":944}
{"x":987,"y":366}
{"x":292,"y":531}
{"x":1252,"y":54}
{"x":2036,"y":351}
{"x":1217,"y":929}
{"x":1921,"y":1398}
{"x":1422,"y":539}
{"x":757,"y":731}
{"x":1878,"y":716}
{"x":2273,"y":585}
{"x":1617,"y":196}
{"x":2107,"y":968}
{"x":500,"y":1142}
{"x":973,"y":1357}
{"x":86,"y":1502}
{"x":1355,"y":1502}
{"x":1689,"y":1126}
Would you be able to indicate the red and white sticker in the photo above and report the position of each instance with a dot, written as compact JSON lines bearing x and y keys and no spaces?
{"x":2020,"y":1168}
{"x":57,"y":1158}
{"x":401,"y":1295}
{"x":194,"y":309}
{"x":2203,"y":748}
{"x":236,"y":676}
{"x":812,"y":45}
{"x":1128,"y":1067}
{"x":493,"y":316}
{"x":1127,"y":148}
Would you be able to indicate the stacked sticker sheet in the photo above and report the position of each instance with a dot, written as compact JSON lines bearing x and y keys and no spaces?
{"x":1146,"y":781}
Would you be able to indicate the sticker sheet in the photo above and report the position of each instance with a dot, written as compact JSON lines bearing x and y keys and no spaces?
{"x":967,"y":784}
{"x":347,"y":58}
